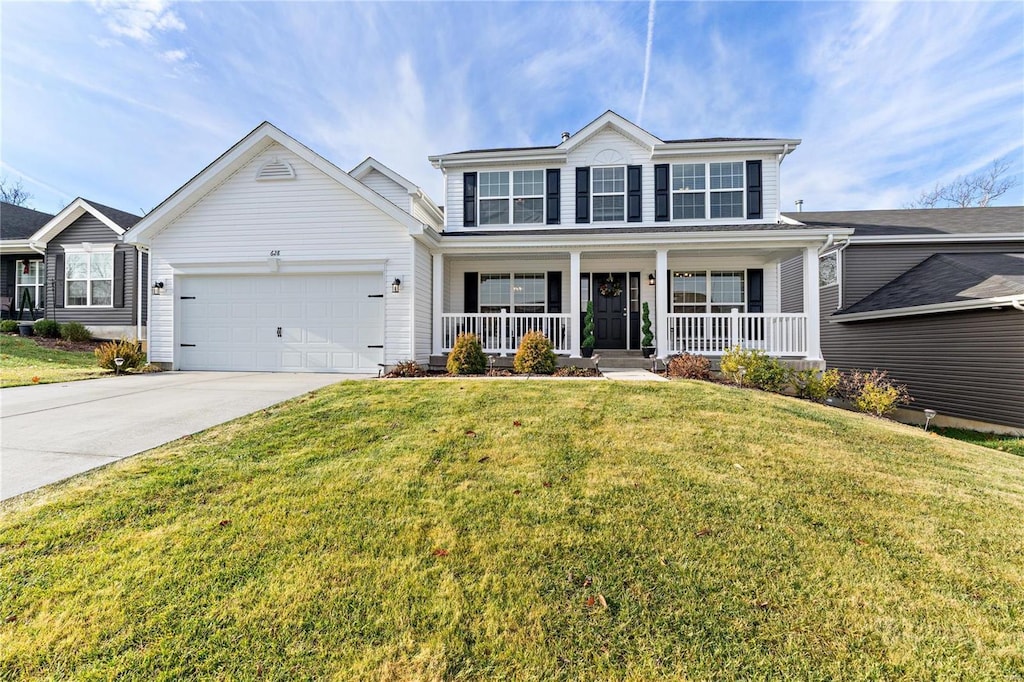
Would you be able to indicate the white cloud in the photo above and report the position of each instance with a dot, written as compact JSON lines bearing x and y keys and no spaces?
{"x":139,"y":19}
{"x":174,"y":56}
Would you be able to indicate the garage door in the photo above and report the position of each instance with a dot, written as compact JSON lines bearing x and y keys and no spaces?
{"x":281,"y":323}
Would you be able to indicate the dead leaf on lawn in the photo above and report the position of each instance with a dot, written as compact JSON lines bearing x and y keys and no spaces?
{"x":860,"y":542}
{"x":547,"y":484}
{"x":225,"y":523}
{"x":440,"y":552}
{"x":10,"y":619}
{"x":587,"y":582}
{"x":517,"y":423}
{"x":762,"y":604}
{"x":703,"y":532}
{"x":591,"y":601}
{"x":483,"y":459}
{"x":471,"y":433}
{"x":600,"y":598}
{"x":516,"y":491}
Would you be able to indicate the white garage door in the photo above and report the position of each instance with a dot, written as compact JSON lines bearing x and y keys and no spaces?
{"x":281,"y":323}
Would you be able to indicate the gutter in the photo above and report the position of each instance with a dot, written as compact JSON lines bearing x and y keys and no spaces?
{"x":1016,"y":301}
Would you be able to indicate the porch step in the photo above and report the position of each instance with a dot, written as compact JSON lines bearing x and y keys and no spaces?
{"x":622,"y":359}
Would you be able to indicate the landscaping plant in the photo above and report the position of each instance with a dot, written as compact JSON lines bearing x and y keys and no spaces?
{"x":687,"y":366}
{"x":812,"y":384}
{"x":467,"y":357}
{"x":759,"y":369}
{"x":8,"y":326}
{"x":48,"y":328}
{"x":75,"y":331}
{"x":406,"y":369}
{"x":588,"y":327}
{"x":647,"y":341}
{"x":131,"y":351}
{"x":536,"y":355}
{"x":874,"y":392}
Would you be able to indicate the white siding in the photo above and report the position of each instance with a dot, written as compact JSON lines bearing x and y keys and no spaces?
{"x":422,"y":302}
{"x":388,"y":188}
{"x":312,"y":218}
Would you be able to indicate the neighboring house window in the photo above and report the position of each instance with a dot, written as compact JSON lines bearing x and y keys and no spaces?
{"x":688,"y":191}
{"x":89,"y":278}
{"x":527,"y":197}
{"x":727,"y":190}
{"x":828,"y":269}
{"x":703,"y":291}
{"x":515,"y":293}
{"x":29,"y":279}
{"x":609,"y":190}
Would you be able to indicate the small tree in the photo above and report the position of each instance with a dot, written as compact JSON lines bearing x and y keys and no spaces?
{"x":467,"y":356}
{"x":648,"y":338}
{"x":13,"y":192}
{"x":536,"y":355}
{"x":588,"y":327}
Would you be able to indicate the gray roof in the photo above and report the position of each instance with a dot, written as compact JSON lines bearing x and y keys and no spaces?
{"x":18,"y":222}
{"x":666,"y":227}
{"x":920,"y":221}
{"x":120,"y":218}
{"x":948,"y":278}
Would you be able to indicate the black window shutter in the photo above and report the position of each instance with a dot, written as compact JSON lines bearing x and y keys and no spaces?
{"x":583,"y":195}
{"x":469,"y":199}
{"x":754,"y":189}
{"x":554,"y":196}
{"x":554,"y":291}
{"x":58,"y":280}
{"x":119,"y":279}
{"x":755,"y":290}
{"x":661,"y":193}
{"x":472,"y":298}
{"x":634,"y":193}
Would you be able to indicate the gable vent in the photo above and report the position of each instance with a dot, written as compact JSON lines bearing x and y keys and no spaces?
{"x":275,"y":170}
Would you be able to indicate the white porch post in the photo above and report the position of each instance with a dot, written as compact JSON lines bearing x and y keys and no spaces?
{"x":660,"y":303}
{"x":574,"y":304}
{"x":812,"y":303}
{"x":437,"y":305}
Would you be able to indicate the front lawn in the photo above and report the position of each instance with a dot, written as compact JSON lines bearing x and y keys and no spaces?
{"x":1013,"y":444}
{"x":23,"y":362}
{"x":525,"y":530}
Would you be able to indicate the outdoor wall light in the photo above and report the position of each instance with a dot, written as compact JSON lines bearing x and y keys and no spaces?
{"x":158,"y":288}
{"x":396,"y":286}
{"x":650,"y":279}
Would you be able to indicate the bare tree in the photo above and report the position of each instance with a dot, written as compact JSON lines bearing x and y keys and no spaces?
{"x":13,"y":192}
{"x":969,"y":190}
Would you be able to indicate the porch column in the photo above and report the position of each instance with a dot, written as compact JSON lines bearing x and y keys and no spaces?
{"x":574,"y":304}
{"x":661,"y":303}
{"x":437,"y":304}
{"x":812,"y":303}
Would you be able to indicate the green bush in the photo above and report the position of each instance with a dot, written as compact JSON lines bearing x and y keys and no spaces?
{"x":131,"y":351}
{"x":8,"y":326}
{"x":811,"y":384}
{"x":48,"y":328}
{"x":759,"y":369}
{"x":75,"y":331}
{"x":588,"y":327}
{"x":536,"y":355}
{"x":686,"y":366}
{"x":874,"y":392}
{"x":408,"y":368}
{"x":645,"y":328}
{"x":467,"y":357}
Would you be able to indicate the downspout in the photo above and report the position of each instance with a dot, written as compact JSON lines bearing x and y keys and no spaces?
{"x":138,"y":296}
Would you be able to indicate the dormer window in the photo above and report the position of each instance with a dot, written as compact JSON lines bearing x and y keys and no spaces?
{"x":609,"y":193}
{"x":525,"y":195}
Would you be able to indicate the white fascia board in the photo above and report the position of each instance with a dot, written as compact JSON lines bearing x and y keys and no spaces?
{"x":937,"y":238}
{"x":610,"y":119}
{"x":727,"y":147}
{"x":952,"y":306}
{"x":462,"y":159}
{"x":17,"y":246}
{"x":372,"y":164}
{"x":72,"y":212}
{"x":783,"y":218}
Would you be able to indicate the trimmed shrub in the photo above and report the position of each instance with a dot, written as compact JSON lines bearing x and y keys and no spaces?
{"x":874,"y":392}
{"x":686,"y":366}
{"x":131,"y":351}
{"x":48,"y":328}
{"x":75,"y":331}
{"x":645,"y":327}
{"x":536,"y":355}
{"x":588,"y":327}
{"x":467,"y":357}
{"x":8,"y":326}
{"x":759,"y":369}
{"x":811,"y":384}
{"x":406,"y":369}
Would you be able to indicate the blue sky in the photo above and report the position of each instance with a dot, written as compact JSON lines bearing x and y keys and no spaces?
{"x":124,"y":102}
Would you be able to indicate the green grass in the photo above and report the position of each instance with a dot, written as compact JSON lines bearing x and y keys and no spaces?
{"x":413,"y":530}
{"x":22,"y":361}
{"x":1011,"y":444}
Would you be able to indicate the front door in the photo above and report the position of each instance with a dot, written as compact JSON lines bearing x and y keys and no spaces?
{"x":610,"y":314}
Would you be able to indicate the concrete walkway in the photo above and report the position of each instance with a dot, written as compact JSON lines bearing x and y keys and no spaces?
{"x":613,"y":374}
{"x":54,"y":431}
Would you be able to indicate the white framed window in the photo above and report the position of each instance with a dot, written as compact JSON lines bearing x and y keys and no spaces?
{"x":30,"y":277}
{"x":689,"y":191}
{"x":706,"y":291}
{"x":89,"y":278}
{"x":726,"y":189}
{"x":828,"y":269}
{"x":608,"y":189}
{"x":513,"y":292}
{"x":511,"y":196}
{"x":707,"y":190}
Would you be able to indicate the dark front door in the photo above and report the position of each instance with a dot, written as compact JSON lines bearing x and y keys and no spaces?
{"x":610,"y":296}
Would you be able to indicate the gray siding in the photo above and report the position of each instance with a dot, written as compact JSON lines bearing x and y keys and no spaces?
{"x":791,"y":274}
{"x":89,"y":229}
{"x":968,"y":364}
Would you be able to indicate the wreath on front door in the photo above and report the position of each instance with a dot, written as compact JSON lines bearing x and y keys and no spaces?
{"x":610,"y":288}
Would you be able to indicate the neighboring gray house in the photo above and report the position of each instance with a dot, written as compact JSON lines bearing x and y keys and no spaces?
{"x":933,"y":296}
{"x":21,"y":267}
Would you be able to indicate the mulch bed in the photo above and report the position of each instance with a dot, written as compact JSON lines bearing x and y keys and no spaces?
{"x":61,"y":344}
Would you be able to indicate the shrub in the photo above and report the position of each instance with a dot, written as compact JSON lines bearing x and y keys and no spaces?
{"x":686,"y":366}
{"x":588,"y":327}
{"x":645,"y":328}
{"x":8,"y":326}
{"x":574,"y":371}
{"x":467,"y":357}
{"x":131,"y":351}
{"x":536,"y":355}
{"x":811,"y":384}
{"x":409,"y":368}
{"x":75,"y":331}
{"x":874,"y":392}
{"x":47,"y":328}
{"x":759,"y":369}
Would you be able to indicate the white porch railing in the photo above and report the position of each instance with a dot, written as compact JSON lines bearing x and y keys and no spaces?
{"x":715,"y":333}
{"x":502,"y":332}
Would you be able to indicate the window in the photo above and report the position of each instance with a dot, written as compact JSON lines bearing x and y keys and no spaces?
{"x":828,"y":269}
{"x":526,"y":198}
{"x":514,"y":293}
{"x":696,"y":187}
{"x":688,"y":191}
{"x":708,"y":292}
{"x":725,"y":177}
{"x":30,"y":275}
{"x":89,"y":278}
{"x":609,"y":189}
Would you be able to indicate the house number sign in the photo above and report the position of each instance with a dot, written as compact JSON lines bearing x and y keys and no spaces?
{"x":275,"y":252}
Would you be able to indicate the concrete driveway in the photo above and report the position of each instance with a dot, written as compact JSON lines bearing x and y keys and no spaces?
{"x":53,"y":431}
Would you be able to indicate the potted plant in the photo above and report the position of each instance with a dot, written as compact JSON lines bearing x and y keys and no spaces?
{"x":587,"y":347}
{"x":647,"y":342}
